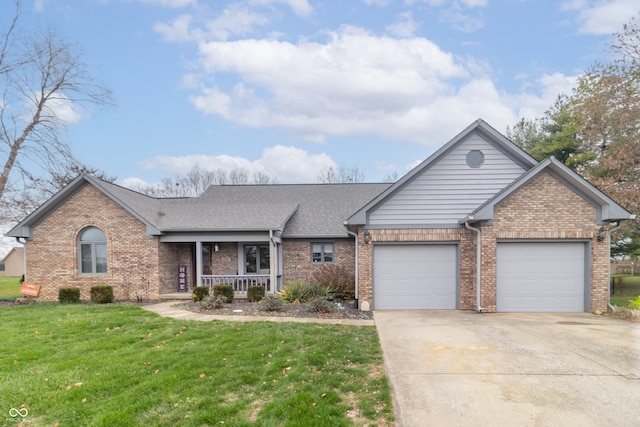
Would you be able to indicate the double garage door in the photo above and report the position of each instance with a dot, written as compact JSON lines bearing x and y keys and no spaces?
{"x":540,"y":276}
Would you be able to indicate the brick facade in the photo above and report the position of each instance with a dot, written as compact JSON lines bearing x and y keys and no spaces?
{"x":141,"y":267}
{"x":546,"y":209}
{"x":297,"y":263}
{"x":52,"y":255}
{"x":465,"y":239}
{"x":225,"y":261}
{"x":543,"y":209}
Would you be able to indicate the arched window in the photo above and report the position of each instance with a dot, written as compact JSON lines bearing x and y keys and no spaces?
{"x":92,"y":250}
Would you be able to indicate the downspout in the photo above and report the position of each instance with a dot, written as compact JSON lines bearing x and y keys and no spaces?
{"x":355,"y":235}
{"x":24,"y":258}
{"x":478,"y":262}
{"x":611,"y":230}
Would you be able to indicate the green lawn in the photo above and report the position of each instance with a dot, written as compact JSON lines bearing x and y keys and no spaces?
{"x":9,"y":288}
{"x":630,"y":291}
{"x":118,"y":365}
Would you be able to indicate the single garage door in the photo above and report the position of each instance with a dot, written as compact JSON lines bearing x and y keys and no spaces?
{"x":540,"y":277}
{"x":414,"y":277}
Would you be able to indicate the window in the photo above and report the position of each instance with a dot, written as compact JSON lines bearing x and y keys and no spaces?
{"x":322,"y":252}
{"x":256,"y":259}
{"x":92,"y":249}
{"x":475,"y":158}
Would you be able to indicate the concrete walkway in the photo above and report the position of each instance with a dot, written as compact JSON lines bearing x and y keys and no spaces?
{"x":174,"y":310}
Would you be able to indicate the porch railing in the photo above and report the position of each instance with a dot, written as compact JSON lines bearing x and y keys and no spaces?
{"x":240,"y":283}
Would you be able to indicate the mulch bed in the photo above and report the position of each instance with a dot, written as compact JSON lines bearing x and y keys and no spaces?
{"x":241,"y":307}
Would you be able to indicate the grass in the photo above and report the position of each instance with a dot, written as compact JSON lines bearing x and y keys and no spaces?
{"x":119,"y":365}
{"x":630,"y":291}
{"x":9,"y":288}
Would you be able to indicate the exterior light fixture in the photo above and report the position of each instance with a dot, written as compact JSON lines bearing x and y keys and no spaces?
{"x":367,"y":237}
{"x":216,"y":248}
{"x":602,"y":234}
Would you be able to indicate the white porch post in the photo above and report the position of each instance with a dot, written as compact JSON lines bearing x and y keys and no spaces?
{"x":198,"y":263}
{"x":273,"y":264}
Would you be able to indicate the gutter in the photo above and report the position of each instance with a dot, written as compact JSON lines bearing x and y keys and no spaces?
{"x":478,"y":260}
{"x":609,"y":231}
{"x":355,"y":236}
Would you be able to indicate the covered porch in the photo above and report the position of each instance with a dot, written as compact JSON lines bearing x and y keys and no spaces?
{"x":240,"y":259}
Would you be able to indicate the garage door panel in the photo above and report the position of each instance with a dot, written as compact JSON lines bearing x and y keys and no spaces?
{"x":541,"y":276}
{"x":415,"y":277}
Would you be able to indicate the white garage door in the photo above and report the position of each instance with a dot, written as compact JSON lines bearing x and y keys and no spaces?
{"x":414,"y":277}
{"x":540,"y":277}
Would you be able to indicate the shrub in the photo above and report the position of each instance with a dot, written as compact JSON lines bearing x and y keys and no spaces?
{"x":69,"y":295}
{"x":271,"y":303}
{"x":199,"y":292}
{"x":212,"y":302}
{"x":635,"y":303}
{"x":255,"y":293}
{"x":296,"y":292}
{"x":319,"y":290}
{"x":322,"y":305}
{"x":101,"y":294}
{"x":339,"y":279}
{"x":225,"y":290}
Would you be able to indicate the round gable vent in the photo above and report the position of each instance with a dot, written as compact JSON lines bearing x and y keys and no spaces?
{"x":475,"y":158}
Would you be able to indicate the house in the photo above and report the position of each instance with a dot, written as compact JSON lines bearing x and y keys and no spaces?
{"x":14,"y":262}
{"x":478,"y":225}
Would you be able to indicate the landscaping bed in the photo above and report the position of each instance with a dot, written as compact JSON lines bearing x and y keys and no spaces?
{"x":242,"y":307}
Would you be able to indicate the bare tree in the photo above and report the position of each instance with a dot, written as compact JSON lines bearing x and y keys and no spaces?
{"x":21,"y":200}
{"x":262,"y":178}
{"x":196,"y":181}
{"x":238,"y":176}
{"x":46,"y":87}
{"x":391,"y":177}
{"x":340,"y":175}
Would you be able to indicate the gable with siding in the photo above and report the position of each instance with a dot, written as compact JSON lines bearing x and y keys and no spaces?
{"x":445,"y":188}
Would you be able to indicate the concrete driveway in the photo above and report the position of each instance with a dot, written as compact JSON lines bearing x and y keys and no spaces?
{"x":463,"y":368}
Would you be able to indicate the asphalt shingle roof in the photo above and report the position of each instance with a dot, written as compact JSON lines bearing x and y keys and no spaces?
{"x":300,"y":210}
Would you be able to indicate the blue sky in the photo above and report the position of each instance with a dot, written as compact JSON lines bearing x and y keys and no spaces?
{"x":292,"y":87}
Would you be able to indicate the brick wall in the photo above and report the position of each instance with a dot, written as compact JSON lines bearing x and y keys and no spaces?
{"x":297,"y":263}
{"x":172,"y":255}
{"x":467,"y":248}
{"x":545,"y":209}
{"x":52,"y":255}
{"x":226,"y":259}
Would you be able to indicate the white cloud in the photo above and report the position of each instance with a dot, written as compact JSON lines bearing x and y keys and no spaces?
{"x":404,"y":26}
{"x":549,"y":86}
{"x":236,"y":20}
{"x":462,"y":21}
{"x":602,"y":17}
{"x":385,"y":166}
{"x":170,"y":3}
{"x":59,"y":109}
{"x":353,"y":84}
{"x":39,"y":5}
{"x":179,"y":30}
{"x":282,"y":163}
{"x":299,"y":7}
{"x":6,"y":243}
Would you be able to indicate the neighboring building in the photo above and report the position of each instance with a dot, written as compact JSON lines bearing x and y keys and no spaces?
{"x":14,"y":262}
{"x":478,"y":225}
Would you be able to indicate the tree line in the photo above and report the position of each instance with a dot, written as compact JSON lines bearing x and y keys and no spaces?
{"x":595,"y":130}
